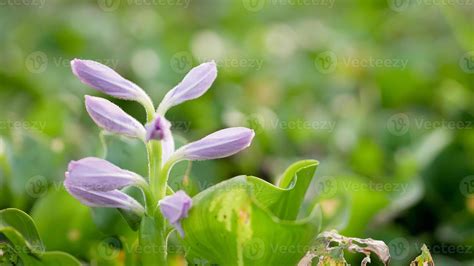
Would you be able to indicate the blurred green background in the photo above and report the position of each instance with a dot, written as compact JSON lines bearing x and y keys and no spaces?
{"x":381,"y":92}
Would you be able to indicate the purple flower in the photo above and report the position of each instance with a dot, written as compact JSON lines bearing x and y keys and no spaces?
{"x":96,"y":182}
{"x":106,"y":80}
{"x":160,"y":129}
{"x":175,"y":208}
{"x":220,"y":144}
{"x":113,"y":119}
{"x":194,"y":84}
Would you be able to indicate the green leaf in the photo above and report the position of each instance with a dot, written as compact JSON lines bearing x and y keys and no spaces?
{"x":58,"y":258}
{"x":24,"y":241}
{"x":247,"y":221}
{"x":74,"y":230}
{"x":23,"y":224}
{"x":18,"y":246}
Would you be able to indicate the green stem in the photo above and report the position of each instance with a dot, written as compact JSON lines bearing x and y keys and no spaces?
{"x":154,"y":167}
{"x":163,"y":179}
{"x":153,"y":241}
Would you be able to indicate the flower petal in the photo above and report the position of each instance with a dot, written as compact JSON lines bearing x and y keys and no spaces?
{"x":160,"y":129}
{"x":112,"y":118}
{"x":194,"y":84}
{"x":109,"y":199}
{"x":220,"y":144}
{"x":175,"y":208}
{"x":106,"y":80}
{"x":94,"y":174}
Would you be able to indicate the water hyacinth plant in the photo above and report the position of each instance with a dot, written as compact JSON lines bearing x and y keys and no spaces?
{"x":98,"y":183}
{"x":241,"y":221}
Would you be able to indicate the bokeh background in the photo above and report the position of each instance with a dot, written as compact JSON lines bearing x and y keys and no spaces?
{"x":380,"y":92}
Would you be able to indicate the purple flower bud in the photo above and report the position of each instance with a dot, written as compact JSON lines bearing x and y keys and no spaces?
{"x":99,"y":175}
{"x":109,"y":199}
{"x":160,"y":129}
{"x":110,"y":117}
{"x":220,"y":144}
{"x":96,"y":183}
{"x":106,"y":80}
{"x":194,"y":84}
{"x":175,"y":208}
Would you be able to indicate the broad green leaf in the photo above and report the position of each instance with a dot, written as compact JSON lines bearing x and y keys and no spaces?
{"x":24,"y":225}
{"x":247,"y":221}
